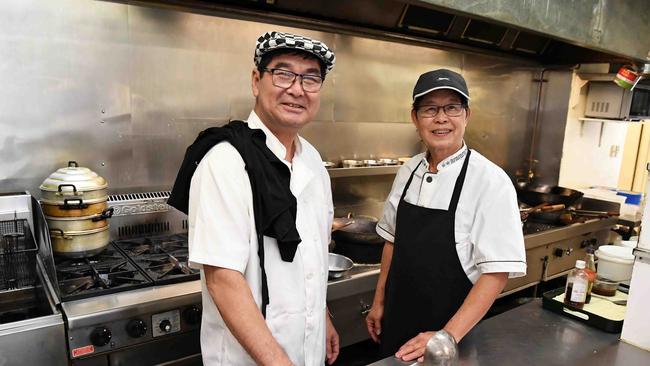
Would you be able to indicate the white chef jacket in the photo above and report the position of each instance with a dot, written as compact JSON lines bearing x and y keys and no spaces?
{"x":222,"y":234}
{"x":488,"y":231}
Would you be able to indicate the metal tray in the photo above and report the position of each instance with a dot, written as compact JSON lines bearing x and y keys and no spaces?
{"x":581,"y":315}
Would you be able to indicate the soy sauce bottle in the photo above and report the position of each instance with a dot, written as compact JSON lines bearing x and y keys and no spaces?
{"x":575,"y":292}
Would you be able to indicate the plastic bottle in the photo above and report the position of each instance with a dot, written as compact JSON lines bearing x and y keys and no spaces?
{"x":575,"y":292}
{"x":590,"y":268}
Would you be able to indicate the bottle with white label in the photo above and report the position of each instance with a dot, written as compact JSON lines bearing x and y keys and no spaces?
{"x":577,"y":283}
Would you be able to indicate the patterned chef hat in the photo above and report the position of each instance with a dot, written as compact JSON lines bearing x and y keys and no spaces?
{"x":271,"y":41}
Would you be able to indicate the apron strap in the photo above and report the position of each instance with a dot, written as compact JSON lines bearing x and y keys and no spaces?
{"x":459,"y":184}
{"x":408,"y":182}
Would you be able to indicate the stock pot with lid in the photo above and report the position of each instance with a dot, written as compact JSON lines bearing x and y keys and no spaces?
{"x":73,"y":182}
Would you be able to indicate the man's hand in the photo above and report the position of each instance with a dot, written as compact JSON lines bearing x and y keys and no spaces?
{"x":331,"y":340}
{"x":415,"y":347}
{"x":373,"y":321}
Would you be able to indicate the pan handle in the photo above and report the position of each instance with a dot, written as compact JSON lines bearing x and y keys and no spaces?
{"x":60,"y":233}
{"x":106,"y":214}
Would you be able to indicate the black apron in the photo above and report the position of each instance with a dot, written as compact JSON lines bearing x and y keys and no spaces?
{"x":426,"y":282}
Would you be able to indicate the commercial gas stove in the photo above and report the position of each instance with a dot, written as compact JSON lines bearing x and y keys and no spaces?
{"x":137,"y":302}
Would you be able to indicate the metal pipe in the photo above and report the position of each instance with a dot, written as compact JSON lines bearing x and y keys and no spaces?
{"x":531,"y":156}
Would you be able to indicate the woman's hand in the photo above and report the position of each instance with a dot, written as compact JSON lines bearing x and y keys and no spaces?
{"x":373,"y":321}
{"x":415,"y":347}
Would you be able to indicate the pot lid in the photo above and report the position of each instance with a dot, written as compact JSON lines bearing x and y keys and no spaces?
{"x":71,"y":177}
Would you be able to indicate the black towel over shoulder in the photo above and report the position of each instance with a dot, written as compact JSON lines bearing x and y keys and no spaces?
{"x":274,"y":204}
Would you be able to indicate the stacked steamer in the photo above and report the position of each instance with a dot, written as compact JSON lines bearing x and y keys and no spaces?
{"x":74,"y":201}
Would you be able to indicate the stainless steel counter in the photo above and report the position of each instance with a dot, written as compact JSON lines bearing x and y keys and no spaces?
{"x":531,"y":335}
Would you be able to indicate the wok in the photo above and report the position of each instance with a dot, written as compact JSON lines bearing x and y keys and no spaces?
{"x":550,"y":195}
{"x":357,"y":239}
{"x":357,"y":229}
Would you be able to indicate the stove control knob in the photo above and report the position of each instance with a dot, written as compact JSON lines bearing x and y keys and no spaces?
{"x":192,"y":315}
{"x":165,"y":326}
{"x":136,"y":328}
{"x":100,"y":336}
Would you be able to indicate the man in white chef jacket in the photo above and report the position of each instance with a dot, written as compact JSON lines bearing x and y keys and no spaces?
{"x":296,"y":329}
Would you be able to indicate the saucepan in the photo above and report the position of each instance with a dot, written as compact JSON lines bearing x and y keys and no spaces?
{"x":339,"y":265}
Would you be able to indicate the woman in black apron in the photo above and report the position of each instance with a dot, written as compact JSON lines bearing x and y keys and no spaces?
{"x":426,"y":283}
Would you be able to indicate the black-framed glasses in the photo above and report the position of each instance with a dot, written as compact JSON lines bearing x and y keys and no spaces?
{"x":285,"y":78}
{"x":430,"y":111}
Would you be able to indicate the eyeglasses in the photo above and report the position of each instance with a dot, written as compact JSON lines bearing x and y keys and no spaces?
{"x":285,"y":78}
{"x":430,"y":111}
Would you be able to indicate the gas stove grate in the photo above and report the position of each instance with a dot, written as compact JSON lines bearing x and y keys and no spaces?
{"x":106,"y":273}
{"x":163,"y":258}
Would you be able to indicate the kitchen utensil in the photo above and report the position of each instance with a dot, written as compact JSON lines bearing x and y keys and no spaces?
{"x":341,"y":222}
{"x":338,"y":265}
{"x":617,"y":302}
{"x":441,"y":350}
{"x":79,"y":244}
{"x":371,"y":162}
{"x":74,"y":207}
{"x":73,"y":181}
{"x":388,"y":161}
{"x":351,"y":163}
{"x":359,"y":240}
{"x":524,"y":212}
{"x":551,"y":195}
{"x":80,"y":223}
{"x":330,"y":164}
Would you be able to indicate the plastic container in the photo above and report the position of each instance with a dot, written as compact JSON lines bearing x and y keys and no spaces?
{"x":632,"y":198}
{"x":615,"y":262}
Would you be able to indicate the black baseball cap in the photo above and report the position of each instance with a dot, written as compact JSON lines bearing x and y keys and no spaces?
{"x":440,"y":79}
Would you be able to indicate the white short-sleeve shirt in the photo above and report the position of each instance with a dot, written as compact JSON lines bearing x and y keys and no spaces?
{"x":488,"y":231}
{"x":222,"y":234}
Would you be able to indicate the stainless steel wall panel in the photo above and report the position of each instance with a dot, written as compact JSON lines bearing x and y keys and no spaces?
{"x":63,"y":64}
{"x":124,"y":89}
{"x":374,"y":79}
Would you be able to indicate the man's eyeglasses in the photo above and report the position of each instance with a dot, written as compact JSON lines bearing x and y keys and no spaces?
{"x":430,"y":111}
{"x":285,"y":78}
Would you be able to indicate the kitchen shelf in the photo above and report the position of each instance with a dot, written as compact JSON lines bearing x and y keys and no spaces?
{"x":363,"y":171}
{"x":596,"y":76}
{"x":602,"y":122}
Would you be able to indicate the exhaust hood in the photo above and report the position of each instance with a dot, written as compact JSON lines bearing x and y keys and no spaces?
{"x":542,"y":31}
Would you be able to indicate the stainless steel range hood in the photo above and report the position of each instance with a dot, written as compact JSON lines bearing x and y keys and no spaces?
{"x":542,"y":31}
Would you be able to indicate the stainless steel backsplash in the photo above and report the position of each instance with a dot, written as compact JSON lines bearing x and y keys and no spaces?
{"x":124,"y":89}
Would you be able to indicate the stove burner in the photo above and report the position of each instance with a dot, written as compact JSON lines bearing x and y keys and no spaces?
{"x":164,"y":259}
{"x":107,"y":272}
